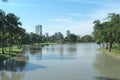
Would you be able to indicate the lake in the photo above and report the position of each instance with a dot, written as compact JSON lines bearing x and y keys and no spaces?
{"x":80,"y":61}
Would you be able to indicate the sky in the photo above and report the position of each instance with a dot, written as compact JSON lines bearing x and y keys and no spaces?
{"x":61,"y":15}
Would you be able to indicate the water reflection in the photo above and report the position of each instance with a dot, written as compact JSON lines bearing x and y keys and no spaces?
{"x":108,"y":67}
{"x":105,"y":78}
{"x":12,"y":76}
{"x":36,"y":53}
{"x":72,"y":49}
{"x":19,"y":63}
{"x":14,"y":64}
{"x":60,"y":51}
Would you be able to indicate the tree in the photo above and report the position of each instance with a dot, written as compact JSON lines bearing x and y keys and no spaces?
{"x":20,"y":36}
{"x":9,"y":29}
{"x":114,"y":28}
{"x":2,"y":27}
{"x":13,"y":23}
{"x":97,"y":31}
{"x":109,"y":31}
{"x":71,"y":38}
{"x":87,"y":38}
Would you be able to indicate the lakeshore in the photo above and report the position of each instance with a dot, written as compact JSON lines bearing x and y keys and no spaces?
{"x":114,"y":52}
{"x":8,"y":53}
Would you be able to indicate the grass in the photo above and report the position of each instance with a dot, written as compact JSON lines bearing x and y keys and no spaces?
{"x":8,"y":54}
{"x":115,"y":51}
{"x":47,"y":43}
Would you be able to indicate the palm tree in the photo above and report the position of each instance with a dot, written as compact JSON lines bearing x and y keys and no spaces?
{"x":2,"y":28}
{"x":20,"y":36}
{"x":13,"y":24}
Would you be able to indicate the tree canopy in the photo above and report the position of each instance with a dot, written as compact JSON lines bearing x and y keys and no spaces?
{"x":108,"y":32}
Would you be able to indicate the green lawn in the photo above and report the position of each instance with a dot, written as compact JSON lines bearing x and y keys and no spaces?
{"x":9,"y":54}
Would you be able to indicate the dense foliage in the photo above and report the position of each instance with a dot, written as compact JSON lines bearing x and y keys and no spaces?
{"x":108,"y":32}
{"x":10,"y":30}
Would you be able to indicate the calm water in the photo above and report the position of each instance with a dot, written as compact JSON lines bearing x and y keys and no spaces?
{"x":79,"y":61}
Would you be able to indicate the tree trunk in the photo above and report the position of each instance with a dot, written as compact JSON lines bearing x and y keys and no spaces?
{"x":2,"y":34}
{"x":110,"y":46}
{"x":11,"y":42}
{"x":106,"y":46}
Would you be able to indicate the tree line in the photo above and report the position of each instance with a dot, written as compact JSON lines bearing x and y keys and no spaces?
{"x":108,"y":31}
{"x":33,"y":38}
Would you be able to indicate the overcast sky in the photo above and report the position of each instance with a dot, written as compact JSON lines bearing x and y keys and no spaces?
{"x":61,"y":15}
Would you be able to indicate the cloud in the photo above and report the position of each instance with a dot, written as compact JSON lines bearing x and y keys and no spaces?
{"x":82,"y":28}
{"x":101,"y":2}
{"x":16,"y":4}
{"x":64,"y":20}
{"x":75,"y":26}
{"x":75,"y":14}
{"x":22,"y":5}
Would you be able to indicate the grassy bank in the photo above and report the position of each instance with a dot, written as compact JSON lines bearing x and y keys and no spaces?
{"x":115,"y":51}
{"x":8,"y":54}
{"x":47,"y":43}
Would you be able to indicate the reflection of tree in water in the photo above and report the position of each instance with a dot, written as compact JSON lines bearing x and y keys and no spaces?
{"x":108,"y":66}
{"x":37,"y":53}
{"x":61,"y":50}
{"x":52,"y":49}
{"x":72,"y":48}
{"x":13,"y":76}
{"x":47,"y":49}
{"x":15,"y":65}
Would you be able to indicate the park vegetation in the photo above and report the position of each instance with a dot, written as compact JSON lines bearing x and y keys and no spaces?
{"x":13,"y":36}
{"x":107,"y":33}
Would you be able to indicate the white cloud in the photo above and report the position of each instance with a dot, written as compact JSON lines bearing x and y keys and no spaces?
{"x":77,"y":27}
{"x":64,"y":20}
{"x":75,"y":14}
{"x":24,"y":5}
{"x":99,"y":2}
{"x":82,"y":28}
{"x":16,"y":4}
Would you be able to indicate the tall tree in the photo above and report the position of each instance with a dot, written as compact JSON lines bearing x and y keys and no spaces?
{"x":97,"y":31}
{"x":2,"y":28}
{"x":20,"y":36}
{"x":13,"y":23}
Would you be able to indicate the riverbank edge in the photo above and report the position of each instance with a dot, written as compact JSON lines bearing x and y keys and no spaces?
{"x":114,"y":53}
{"x":16,"y":50}
{"x":12,"y":53}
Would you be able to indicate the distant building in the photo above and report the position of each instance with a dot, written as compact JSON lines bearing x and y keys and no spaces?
{"x":38,"y":30}
{"x":58,"y":35}
{"x":68,"y":32}
{"x":47,"y":35}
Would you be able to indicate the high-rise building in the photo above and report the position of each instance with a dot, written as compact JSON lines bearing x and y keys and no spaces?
{"x":47,"y":35}
{"x":68,"y":32}
{"x":58,"y":35}
{"x":38,"y":30}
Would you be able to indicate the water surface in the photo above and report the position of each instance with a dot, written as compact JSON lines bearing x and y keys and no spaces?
{"x":80,"y":61}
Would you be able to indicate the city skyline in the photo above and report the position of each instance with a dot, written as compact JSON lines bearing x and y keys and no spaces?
{"x":61,"y":15}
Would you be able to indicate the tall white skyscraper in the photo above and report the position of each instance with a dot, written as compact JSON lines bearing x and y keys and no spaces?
{"x":38,"y":30}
